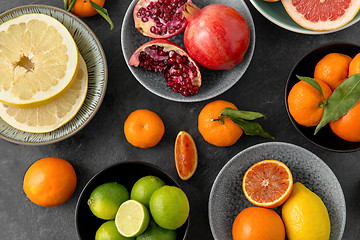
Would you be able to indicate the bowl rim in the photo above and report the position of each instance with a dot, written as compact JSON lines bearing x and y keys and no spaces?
{"x":142,"y":163}
{"x":250,"y":51}
{"x":303,"y":30}
{"x":287,"y":93}
{"x":103,"y":57}
{"x":259,"y":145}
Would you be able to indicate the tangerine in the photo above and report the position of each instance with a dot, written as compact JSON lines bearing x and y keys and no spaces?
{"x":354,"y":66}
{"x":50,"y":181}
{"x":348,"y":126}
{"x":83,"y":8}
{"x":256,"y":223}
{"x":143,"y":128}
{"x":333,"y":69}
{"x":268,"y":183}
{"x":186,"y":156}
{"x":304,"y":102}
{"x":221,"y":134}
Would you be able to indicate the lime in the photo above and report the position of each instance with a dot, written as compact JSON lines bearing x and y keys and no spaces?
{"x":144,"y":188}
{"x":154,"y":232}
{"x":132,"y":218}
{"x":108,"y":231}
{"x":169,"y":207}
{"x":105,"y":200}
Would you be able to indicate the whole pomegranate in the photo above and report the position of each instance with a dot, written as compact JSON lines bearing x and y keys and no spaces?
{"x":163,"y":56}
{"x":216,"y":36}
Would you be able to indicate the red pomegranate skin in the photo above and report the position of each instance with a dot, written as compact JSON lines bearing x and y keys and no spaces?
{"x":217,"y":37}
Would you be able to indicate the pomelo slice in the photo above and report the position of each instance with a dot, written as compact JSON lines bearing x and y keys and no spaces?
{"x":186,"y":156}
{"x":321,"y":15}
{"x":38,"y":59}
{"x":53,"y":115}
{"x":268,"y":183}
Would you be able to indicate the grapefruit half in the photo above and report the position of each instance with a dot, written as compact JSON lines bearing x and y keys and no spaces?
{"x":321,"y":15}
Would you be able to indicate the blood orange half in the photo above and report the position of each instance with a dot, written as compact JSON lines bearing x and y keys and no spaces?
{"x":186,"y":156}
{"x":321,"y":15}
{"x":268,"y":183}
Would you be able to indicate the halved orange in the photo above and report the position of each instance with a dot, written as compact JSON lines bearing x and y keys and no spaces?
{"x":186,"y":156}
{"x":268,"y":183}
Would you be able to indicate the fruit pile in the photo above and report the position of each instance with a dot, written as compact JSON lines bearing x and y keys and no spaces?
{"x":321,"y":15}
{"x":216,"y":37}
{"x":152,"y":210}
{"x":44,"y":78}
{"x":269,"y":184}
{"x":332,"y":96}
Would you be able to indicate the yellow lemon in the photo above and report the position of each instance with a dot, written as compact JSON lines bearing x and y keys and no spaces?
{"x":305,"y":215}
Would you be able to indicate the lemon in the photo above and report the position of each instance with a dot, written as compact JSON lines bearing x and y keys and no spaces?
{"x":132,"y":218}
{"x":144,"y":188}
{"x":53,"y":115}
{"x":305,"y":215}
{"x":38,"y":59}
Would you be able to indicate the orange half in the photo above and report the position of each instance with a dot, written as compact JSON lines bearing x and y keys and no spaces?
{"x":186,"y":156}
{"x":268,"y":183}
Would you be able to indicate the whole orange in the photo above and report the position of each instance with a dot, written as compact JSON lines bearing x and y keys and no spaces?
{"x":83,"y":8}
{"x":256,"y":223}
{"x":50,"y":181}
{"x":215,"y":132}
{"x":304,"y":102}
{"x":348,"y":126}
{"x":354,"y":66}
{"x":333,"y":69}
{"x":143,"y":128}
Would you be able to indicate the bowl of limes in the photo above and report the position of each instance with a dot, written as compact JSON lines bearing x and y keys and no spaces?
{"x":132,"y":200}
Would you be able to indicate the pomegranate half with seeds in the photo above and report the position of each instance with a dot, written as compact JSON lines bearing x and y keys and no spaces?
{"x":166,"y":57}
{"x":160,"y":18}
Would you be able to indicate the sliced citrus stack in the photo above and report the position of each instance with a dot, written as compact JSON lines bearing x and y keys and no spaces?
{"x":268,"y":183}
{"x":186,"y":156}
{"x":52,"y":115}
{"x":132,"y":218}
{"x":38,"y":59}
{"x":321,"y":15}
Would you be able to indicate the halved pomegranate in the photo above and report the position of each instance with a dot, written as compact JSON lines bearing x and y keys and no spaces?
{"x":160,"y":18}
{"x":163,"y":56}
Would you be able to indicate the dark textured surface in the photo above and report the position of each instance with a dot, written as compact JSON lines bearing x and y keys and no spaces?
{"x":102,"y":142}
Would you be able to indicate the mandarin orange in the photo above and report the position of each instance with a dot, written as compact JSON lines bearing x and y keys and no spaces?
{"x":83,"y":8}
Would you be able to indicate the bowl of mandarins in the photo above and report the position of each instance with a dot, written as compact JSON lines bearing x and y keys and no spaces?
{"x":322,"y":97}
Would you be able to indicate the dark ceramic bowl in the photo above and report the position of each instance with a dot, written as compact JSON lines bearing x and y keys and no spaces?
{"x":325,"y":138}
{"x":126,"y":173}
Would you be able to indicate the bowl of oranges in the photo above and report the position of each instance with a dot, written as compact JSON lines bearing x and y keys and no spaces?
{"x":132,"y":200}
{"x":322,"y":97}
{"x":278,"y":190}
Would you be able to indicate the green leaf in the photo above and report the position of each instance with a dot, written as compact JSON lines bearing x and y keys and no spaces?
{"x":103,"y":12}
{"x":313,"y":83}
{"x":344,"y":97}
{"x":72,"y":3}
{"x":251,"y":128}
{"x":247,"y":115}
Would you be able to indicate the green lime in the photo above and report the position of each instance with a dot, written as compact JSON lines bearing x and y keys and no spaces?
{"x":144,"y":188}
{"x":169,"y":207}
{"x":108,"y":231}
{"x":132,"y":218}
{"x":154,"y":232}
{"x":106,"y":199}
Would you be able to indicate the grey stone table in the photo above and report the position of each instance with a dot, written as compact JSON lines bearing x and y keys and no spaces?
{"x":102,"y":142}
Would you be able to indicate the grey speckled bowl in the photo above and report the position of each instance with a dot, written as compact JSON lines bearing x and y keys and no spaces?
{"x":227,"y":198}
{"x":213,"y":82}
